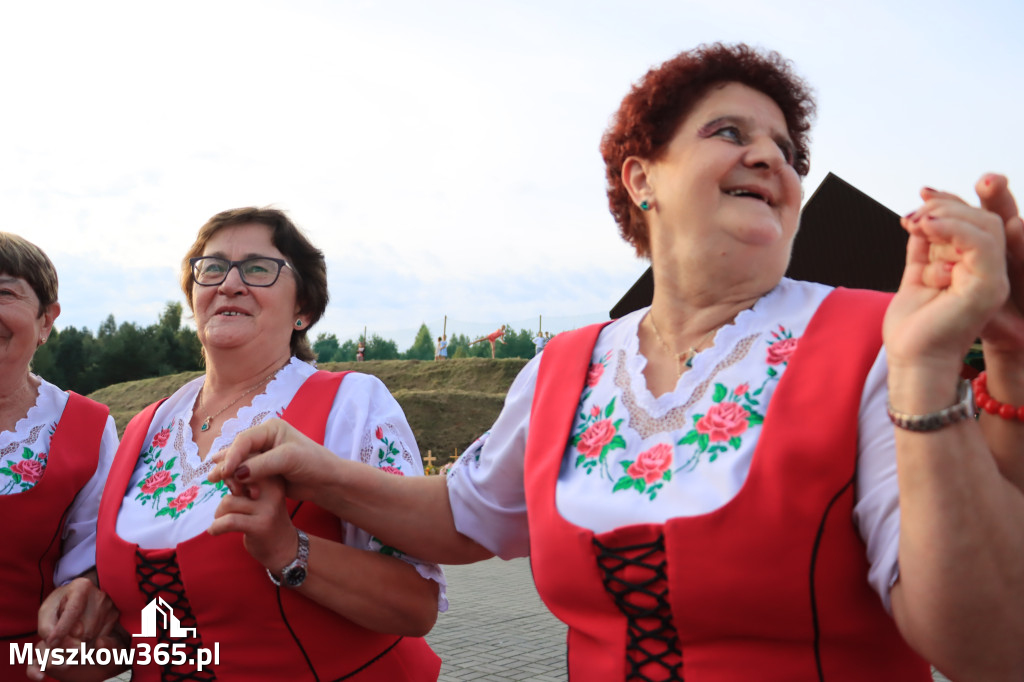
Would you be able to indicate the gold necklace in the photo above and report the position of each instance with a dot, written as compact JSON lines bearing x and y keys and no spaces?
{"x":684,"y":359}
{"x":210,"y":417}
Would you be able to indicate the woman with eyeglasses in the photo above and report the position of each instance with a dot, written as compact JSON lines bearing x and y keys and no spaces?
{"x":282,"y":590}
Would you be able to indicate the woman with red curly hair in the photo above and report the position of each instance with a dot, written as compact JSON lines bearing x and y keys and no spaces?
{"x":753,"y":478}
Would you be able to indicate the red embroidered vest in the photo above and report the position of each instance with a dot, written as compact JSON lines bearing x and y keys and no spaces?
{"x":770,"y":587}
{"x":35,"y":521}
{"x":263,"y":632}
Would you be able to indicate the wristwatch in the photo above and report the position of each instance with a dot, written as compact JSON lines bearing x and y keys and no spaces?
{"x":294,"y":574}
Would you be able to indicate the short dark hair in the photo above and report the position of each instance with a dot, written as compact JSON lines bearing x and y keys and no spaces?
{"x":21,"y":258}
{"x":653,"y":110}
{"x":306,"y":260}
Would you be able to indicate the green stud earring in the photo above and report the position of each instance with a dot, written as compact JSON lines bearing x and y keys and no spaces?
{"x":644,"y":206}
{"x":298,"y":324}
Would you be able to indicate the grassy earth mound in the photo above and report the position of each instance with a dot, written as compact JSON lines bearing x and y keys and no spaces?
{"x":448,"y":404}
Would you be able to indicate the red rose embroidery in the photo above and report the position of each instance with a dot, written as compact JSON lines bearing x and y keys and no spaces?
{"x":159,"y":464}
{"x":780,"y":351}
{"x":160,"y":479}
{"x":596,"y":437}
{"x":43,"y":456}
{"x":392,"y":470}
{"x":30,"y":470}
{"x":594,"y":374}
{"x":161,"y":437}
{"x":651,"y":464}
{"x":723,"y":421}
{"x":741,"y":389}
{"x":379,"y":433}
{"x":595,"y":411}
{"x":184,"y":499}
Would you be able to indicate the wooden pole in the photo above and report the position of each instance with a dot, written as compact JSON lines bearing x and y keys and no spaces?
{"x":540,"y":324}
{"x":445,"y":332}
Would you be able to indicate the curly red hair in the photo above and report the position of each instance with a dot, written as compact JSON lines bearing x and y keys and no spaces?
{"x":655,"y":107}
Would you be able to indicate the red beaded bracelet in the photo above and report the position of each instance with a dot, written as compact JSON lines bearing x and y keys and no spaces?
{"x":986,"y":402}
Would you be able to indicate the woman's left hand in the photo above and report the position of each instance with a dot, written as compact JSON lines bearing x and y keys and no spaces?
{"x":258,"y":511}
{"x":954,"y":284}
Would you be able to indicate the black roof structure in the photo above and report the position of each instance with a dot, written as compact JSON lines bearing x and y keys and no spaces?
{"x":846,"y":238}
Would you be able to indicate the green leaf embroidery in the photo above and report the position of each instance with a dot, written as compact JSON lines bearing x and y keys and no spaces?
{"x":170,"y":463}
{"x":7,"y":471}
{"x":735,"y":442}
{"x":702,"y":441}
{"x":754,"y":419}
{"x":616,"y":442}
{"x":623,"y":483}
{"x":720,"y":392}
{"x":610,"y":409}
{"x":667,"y":475}
{"x":688,"y":439}
{"x":771,"y":372}
{"x":581,"y":459}
{"x":167,"y":511}
{"x":626,"y":464}
{"x":713,"y":457}
{"x":639,"y":485}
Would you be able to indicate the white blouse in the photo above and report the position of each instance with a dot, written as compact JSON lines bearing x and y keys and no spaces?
{"x":169,"y":500}
{"x":634,"y":458}
{"x":23,"y":454}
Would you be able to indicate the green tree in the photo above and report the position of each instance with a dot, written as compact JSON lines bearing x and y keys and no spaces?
{"x":424,"y":347}
{"x":326,"y":348}
{"x":381,"y":349}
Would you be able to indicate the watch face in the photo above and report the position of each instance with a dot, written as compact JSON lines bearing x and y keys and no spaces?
{"x":295,"y":576}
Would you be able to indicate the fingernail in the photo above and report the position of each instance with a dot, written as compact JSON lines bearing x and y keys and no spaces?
{"x":242,"y":472}
{"x":930,"y":189}
{"x":907,"y":217}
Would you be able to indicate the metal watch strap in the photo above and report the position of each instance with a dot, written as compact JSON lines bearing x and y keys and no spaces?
{"x":922,"y":423}
{"x":294,"y":574}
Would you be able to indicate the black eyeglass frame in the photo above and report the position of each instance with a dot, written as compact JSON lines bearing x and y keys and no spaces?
{"x":281,"y":264}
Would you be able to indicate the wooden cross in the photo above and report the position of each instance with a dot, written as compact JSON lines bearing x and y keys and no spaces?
{"x":429,"y":459}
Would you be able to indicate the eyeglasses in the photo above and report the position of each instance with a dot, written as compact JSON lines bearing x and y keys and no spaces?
{"x":209,"y":271}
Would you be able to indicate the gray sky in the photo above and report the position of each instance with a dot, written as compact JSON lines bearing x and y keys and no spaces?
{"x":443,"y":154}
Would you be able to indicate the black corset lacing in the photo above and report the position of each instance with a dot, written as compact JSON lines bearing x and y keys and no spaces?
{"x":652,"y":644}
{"x":162,"y":578}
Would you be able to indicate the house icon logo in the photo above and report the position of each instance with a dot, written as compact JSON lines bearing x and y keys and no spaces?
{"x":159,"y":610}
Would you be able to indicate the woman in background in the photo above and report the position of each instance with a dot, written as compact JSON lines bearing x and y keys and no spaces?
{"x":55,"y":450}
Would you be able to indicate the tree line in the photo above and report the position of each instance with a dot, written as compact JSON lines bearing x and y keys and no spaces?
{"x":329,"y":349}
{"x":81,"y":361}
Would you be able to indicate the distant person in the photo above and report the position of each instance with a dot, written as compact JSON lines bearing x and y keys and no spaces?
{"x":496,"y":336}
{"x":754,"y":478}
{"x":55,"y":451}
{"x":288,"y":591}
{"x":361,"y":351}
{"x":442,"y":348}
{"x":538,"y":343}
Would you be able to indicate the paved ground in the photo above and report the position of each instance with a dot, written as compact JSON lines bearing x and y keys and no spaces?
{"x":497,"y":629}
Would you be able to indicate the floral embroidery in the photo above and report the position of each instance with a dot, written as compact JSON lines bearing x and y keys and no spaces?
{"x":158,"y":479}
{"x":26,"y":472}
{"x":387,"y":451}
{"x":780,"y":348}
{"x":723,"y":425}
{"x":594,"y":374}
{"x":596,"y":437}
{"x":648,"y":473}
{"x":160,"y":482}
